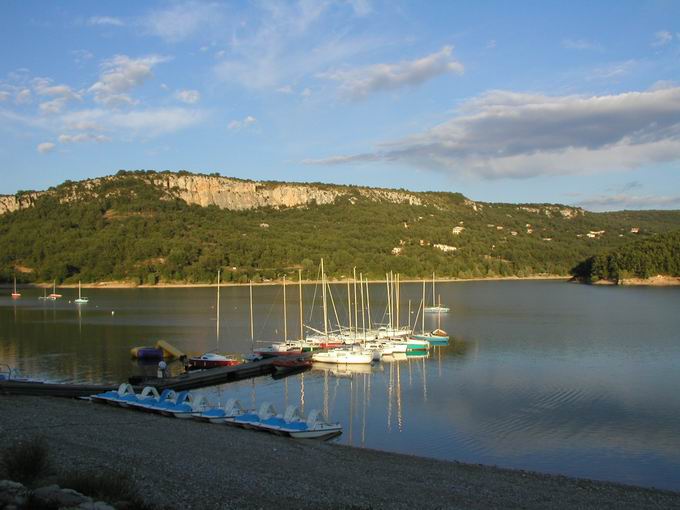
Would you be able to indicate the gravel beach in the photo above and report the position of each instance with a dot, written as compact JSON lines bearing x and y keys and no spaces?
{"x":187,"y":464}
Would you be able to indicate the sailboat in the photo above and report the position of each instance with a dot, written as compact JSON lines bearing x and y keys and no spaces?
{"x":212,"y":359}
{"x":81,"y":300}
{"x":435,"y":308}
{"x":436,"y":337}
{"x":54,"y":294}
{"x":15,"y":294}
{"x":44,"y":296}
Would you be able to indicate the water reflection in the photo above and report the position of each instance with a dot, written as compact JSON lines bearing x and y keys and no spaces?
{"x":537,"y":375}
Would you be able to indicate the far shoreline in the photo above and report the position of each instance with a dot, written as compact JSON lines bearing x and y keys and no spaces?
{"x":653,"y":281}
{"x":180,"y":285}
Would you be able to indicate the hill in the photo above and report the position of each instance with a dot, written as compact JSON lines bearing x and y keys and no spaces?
{"x":644,"y":258}
{"x":149,"y":227}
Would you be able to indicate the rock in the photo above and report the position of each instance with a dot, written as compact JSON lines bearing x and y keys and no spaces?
{"x":11,"y":493}
{"x":61,"y":498}
{"x":96,"y":505}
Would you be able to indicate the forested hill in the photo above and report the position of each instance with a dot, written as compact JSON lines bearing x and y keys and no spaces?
{"x":149,"y":227}
{"x":643,"y":258}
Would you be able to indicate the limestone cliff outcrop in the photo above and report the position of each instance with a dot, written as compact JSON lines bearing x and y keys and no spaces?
{"x":223,"y":192}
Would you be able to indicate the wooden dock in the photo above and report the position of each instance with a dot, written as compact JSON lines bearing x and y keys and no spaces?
{"x":187,"y":381}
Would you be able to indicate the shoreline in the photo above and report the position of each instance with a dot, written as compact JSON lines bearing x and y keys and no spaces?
{"x":179,"y":285}
{"x":217,"y":466}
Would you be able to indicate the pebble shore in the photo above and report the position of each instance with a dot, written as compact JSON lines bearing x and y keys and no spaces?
{"x":178,"y":464}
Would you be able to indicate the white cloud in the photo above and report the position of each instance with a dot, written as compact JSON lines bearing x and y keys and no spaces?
{"x":306,"y":92}
{"x":188,"y":96}
{"x":581,"y":44}
{"x":44,"y":87}
{"x":4,"y":96}
{"x":83,"y":137}
{"x":54,"y":106}
{"x":244,"y":123}
{"x":286,"y":89}
{"x":23,"y":96}
{"x":514,"y":135}
{"x":120,"y":75}
{"x":626,"y":201}
{"x":613,"y":71}
{"x":45,"y":147}
{"x":662,"y":38}
{"x":491,"y":44}
{"x":105,"y":20}
{"x":279,"y":45}
{"x":184,"y":20}
{"x":360,"y":82}
{"x":148,"y":122}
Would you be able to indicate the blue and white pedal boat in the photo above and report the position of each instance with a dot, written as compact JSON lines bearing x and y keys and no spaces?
{"x":219,"y":414}
{"x":252,"y":420}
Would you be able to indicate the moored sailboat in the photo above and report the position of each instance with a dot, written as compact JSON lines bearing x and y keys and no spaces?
{"x":81,"y":299}
{"x":435,"y":308}
{"x":15,"y":294}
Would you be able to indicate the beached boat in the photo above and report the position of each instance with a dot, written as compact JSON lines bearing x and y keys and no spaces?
{"x":15,"y":294}
{"x":251,"y":419}
{"x":293,"y":424}
{"x":211,"y":360}
{"x":230,"y":410}
{"x":81,"y":300}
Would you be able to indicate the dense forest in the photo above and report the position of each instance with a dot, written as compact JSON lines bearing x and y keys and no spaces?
{"x":659,"y":255}
{"x":126,"y":228}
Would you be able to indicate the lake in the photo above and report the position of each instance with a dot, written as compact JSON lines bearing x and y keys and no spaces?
{"x":539,"y":375}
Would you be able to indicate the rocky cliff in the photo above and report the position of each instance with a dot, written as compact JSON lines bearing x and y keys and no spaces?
{"x":223,"y":192}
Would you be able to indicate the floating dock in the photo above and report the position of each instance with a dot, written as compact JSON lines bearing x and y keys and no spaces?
{"x":187,"y":381}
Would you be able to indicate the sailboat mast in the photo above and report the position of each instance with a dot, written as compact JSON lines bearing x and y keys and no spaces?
{"x":356,"y":314}
{"x":252,"y":330}
{"x":423,"y":321}
{"x":389,"y":306}
{"x":433,"y":301}
{"x":397,"y":290}
{"x":323,"y":294}
{"x":363,"y":313}
{"x":285,"y":315}
{"x":302,"y":331}
{"x":409,"y":315}
{"x":218,"y":306}
{"x":368,"y":305}
{"x":349,"y":307}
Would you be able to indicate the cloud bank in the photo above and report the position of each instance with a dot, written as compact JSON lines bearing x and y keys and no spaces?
{"x":361,"y":82}
{"x":519,"y":135}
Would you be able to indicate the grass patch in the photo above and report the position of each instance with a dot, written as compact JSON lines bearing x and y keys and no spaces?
{"x":26,"y":461}
{"x":105,"y":486}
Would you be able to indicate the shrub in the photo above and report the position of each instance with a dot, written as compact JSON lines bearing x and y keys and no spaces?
{"x":26,"y":461}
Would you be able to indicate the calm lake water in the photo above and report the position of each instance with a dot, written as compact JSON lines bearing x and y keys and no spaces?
{"x":546,"y":376}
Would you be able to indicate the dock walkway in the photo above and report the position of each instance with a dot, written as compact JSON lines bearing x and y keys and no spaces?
{"x":186,"y":381}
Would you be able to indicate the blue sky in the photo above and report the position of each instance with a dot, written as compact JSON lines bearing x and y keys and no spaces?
{"x":572,"y":102}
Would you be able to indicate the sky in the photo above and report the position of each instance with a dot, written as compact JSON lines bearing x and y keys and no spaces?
{"x":563,"y":102}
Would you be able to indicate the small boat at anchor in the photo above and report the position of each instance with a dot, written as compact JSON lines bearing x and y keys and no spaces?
{"x":15,"y":294}
{"x":211,"y":360}
{"x":81,"y":300}
{"x":54,"y":294}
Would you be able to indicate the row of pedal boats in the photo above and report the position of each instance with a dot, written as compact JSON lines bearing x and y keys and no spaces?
{"x":188,"y":405}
